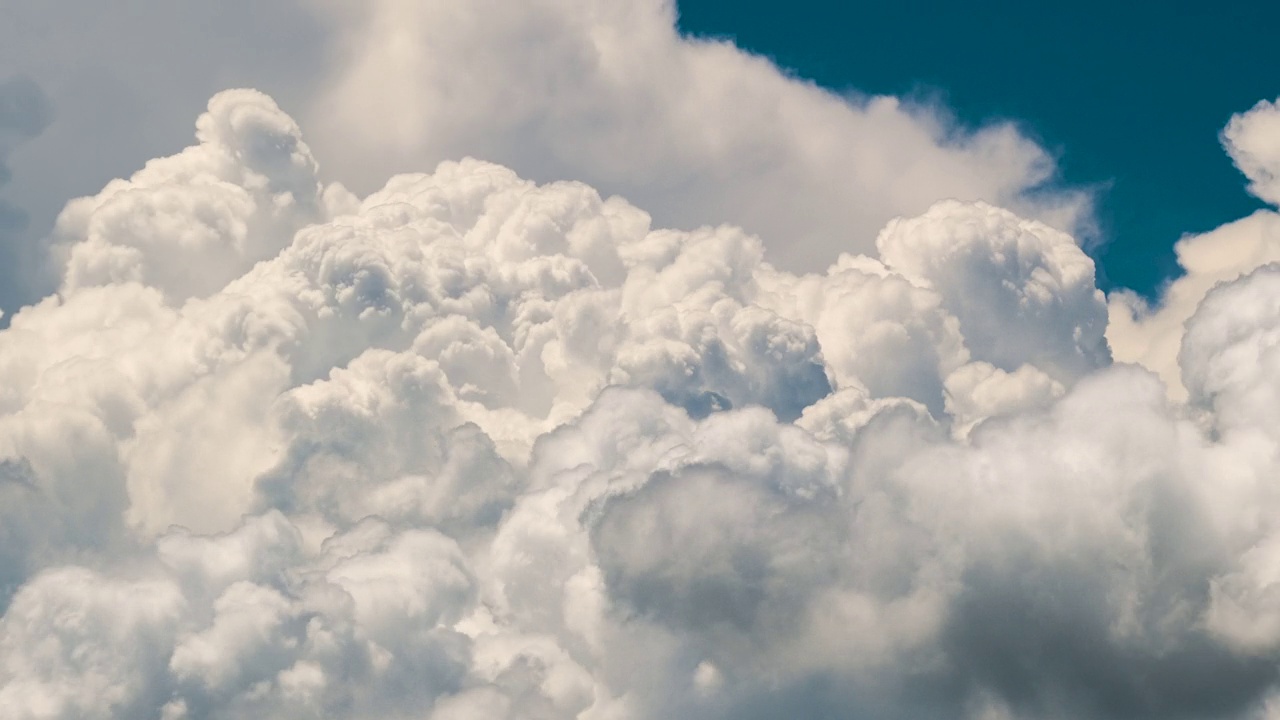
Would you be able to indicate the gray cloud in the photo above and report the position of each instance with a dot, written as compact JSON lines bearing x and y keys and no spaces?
{"x":25,"y":112}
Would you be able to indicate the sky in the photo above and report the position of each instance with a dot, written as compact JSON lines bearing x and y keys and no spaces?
{"x":485,"y":360}
{"x":1129,"y":97}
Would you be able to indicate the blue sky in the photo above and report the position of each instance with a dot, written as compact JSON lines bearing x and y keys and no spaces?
{"x":1130,"y":98}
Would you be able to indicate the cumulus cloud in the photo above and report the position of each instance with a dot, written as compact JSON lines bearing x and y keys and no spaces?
{"x":1152,"y":333}
{"x":471,"y":446}
{"x":1253,"y":141}
{"x":697,"y":132}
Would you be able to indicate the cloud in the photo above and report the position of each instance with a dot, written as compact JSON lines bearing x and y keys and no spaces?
{"x":1253,"y":141}
{"x":695,"y":131}
{"x":125,"y":86}
{"x":208,"y":623}
{"x":248,"y":184}
{"x":1152,"y":334}
{"x":25,"y":112}
{"x":471,"y":446}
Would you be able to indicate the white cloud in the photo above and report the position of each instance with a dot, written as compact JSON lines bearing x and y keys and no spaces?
{"x":1023,"y":293}
{"x":1253,"y":141}
{"x":696,"y":132}
{"x":190,"y":223}
{"x":1152,"y":334}
{"x":471,"y":446}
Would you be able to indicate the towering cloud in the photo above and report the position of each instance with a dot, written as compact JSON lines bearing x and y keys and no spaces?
{"x":470,"y":446}
{"x":696,"y":131}
{"x":609,"y":93}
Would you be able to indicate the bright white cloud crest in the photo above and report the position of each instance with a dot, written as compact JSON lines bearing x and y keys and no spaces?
{"x":472,"y":447}
{"x":696,"y":131}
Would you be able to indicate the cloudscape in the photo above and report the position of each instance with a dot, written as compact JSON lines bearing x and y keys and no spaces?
{"x":531,"y":360}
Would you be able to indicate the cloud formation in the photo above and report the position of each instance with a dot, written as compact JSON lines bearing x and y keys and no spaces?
{"x":1152,"y":333}
{"x":25,"y":112}
{"x":697,"y":132}
{"x":470,"y":446}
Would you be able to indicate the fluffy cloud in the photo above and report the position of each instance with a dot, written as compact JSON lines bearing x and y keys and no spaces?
{"x":1253,"y":141}
{"x":470,"y":446}
{"x":695,"y":131}
{"x":1152,"y":334}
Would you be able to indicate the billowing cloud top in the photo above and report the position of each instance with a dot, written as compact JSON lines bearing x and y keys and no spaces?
{"x":605,"y":92}
{"x":473,"y":447}
{"x":695,"y":130}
